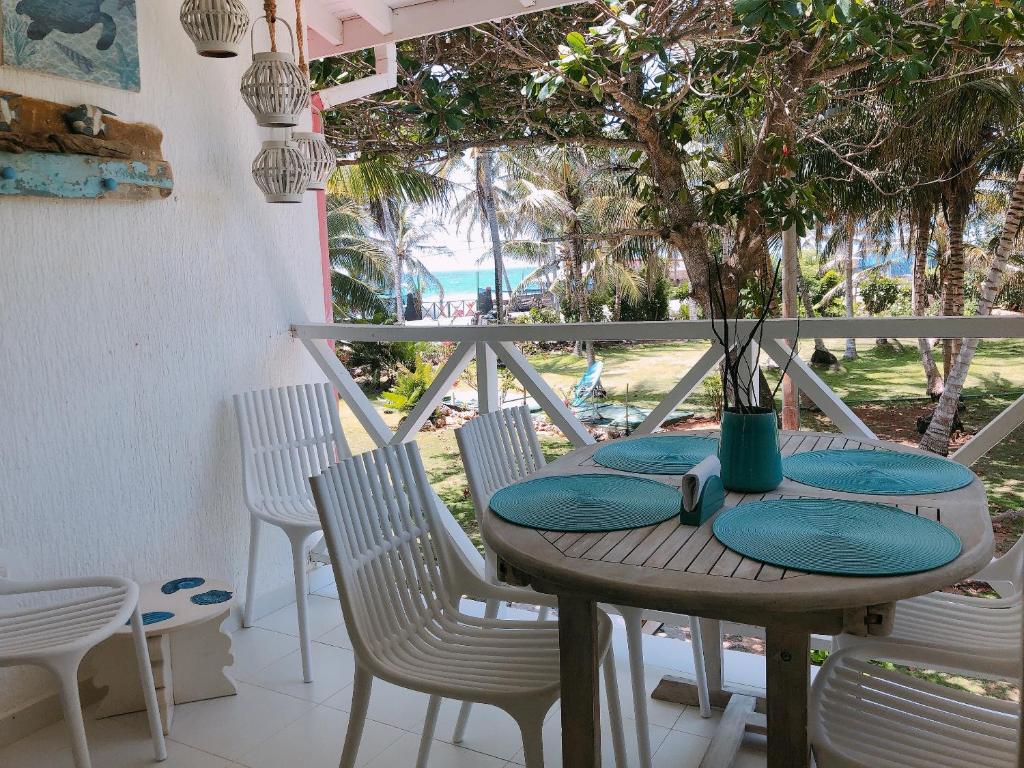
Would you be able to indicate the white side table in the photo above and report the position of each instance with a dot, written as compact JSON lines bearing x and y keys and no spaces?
{"x":188,"y":649}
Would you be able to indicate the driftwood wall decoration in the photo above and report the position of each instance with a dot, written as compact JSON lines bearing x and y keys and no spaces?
{"x":59,"y":150}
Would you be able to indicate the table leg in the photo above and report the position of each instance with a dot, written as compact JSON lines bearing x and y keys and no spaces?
{"x":788,"y":661}
{"x":581,"y":699}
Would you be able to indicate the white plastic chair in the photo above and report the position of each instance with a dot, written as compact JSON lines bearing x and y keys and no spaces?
{"x":287,"y":435}
{"x":56,"y":635}
{"x":981,"y":635}
{"x":401,"y":583}
{"x":867,"y":716}
{"x":502,"y":448}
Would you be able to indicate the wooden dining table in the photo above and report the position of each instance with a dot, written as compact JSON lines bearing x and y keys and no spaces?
{"x":684,"y":569}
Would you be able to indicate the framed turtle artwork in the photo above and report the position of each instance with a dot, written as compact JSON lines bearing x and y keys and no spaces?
{"x":90,"y":40}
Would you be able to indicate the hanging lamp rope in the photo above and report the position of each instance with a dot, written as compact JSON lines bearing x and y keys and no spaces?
{"x":300,"y":37}
{"x":270,"y":10}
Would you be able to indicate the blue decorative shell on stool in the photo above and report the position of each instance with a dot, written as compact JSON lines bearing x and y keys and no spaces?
{"x":188,"y":582}
{"x":212,"y":597}
{"x":87,"y":120}
{"x":8,"y":113}
{"x":71,"y":16}
{"x":153,"y":617}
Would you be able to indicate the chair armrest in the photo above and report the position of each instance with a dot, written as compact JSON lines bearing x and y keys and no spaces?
{"x":486,"y":591}
{"x":9,"y":587}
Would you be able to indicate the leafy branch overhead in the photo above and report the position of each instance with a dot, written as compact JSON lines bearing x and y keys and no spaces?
{"x":715,"y":110}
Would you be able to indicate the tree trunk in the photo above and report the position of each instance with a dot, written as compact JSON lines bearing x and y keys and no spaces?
{"x":936,"y":439}
{"x":953,"y":284}
{"x":922,"y":236}
{"x":851,"y":344}
{"x":805,"y":297}
{"x":388,"y":225}
{"x":790,"y":308}
{"x":485,"y":194}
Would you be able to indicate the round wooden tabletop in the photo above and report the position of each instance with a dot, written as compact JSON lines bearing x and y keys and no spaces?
{"x":685,"y":569}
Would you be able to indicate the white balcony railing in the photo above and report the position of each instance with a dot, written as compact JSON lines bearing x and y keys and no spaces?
{"x":487,"y":344}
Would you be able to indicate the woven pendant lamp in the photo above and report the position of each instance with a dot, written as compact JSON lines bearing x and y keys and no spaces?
{"x":217,"y":27}
{"x":273,"y":87}
{"x":318,"y":153}
{"x":281,"y":172}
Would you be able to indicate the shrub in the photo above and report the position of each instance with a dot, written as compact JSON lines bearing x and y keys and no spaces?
{"x":819,"y":286}
{"x":410,"y":386}
{"x":652,"y":305}
{"x":879,"y":293}
{"x":710,"y":394}
{"x":681,"y":292}
{"x":380,"y":362}
{"x":1012,"y":295}
{"x":538,"y":315}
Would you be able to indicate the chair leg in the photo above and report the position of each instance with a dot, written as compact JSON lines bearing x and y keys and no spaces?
{"x":611,"y":686}
{"x":66,"y":670}
{"x":250,"y":581}
{"x":302,"y":605}
{"x":701,"y":674}
{"x":490,"y":612}
{"x":361,"y":687}
{"x":429,"y":726}
{"x":532,"y":728}
{"x":634,"y":643}
{"x":156,"y":727}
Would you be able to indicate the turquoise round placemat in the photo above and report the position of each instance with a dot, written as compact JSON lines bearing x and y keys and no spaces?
{"x":833,"y":536}
{"x":668,"y":455}
{"x":587,"y":503}
{"x":890,"y":473}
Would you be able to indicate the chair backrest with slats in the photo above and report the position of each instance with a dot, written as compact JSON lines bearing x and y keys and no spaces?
{"x":498,"y":449}
{"x":389,"y":549}
{"x":288,"y":434}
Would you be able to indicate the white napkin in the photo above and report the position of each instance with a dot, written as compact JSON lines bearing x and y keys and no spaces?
{"x":696,"y":478}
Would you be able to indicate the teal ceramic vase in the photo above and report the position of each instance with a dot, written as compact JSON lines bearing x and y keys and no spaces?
{"x":749,"y":451}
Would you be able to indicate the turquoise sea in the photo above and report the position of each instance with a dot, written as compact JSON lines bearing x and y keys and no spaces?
{"x":464,"y":283}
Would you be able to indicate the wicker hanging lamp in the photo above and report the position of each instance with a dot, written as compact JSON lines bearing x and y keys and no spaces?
{"x":318,"y":153}
{"x":281,"y":171}
{"x":273,"y":87}
{"x":217,"y":27}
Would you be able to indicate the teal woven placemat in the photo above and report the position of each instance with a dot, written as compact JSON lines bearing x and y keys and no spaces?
{"x":587,"y":503}
{"x":669,"y":455}
{"x":847,"y":538}
{"x":891,"y":473}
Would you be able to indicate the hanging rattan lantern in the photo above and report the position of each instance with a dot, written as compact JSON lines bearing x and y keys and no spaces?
{"x":274,"y":88}
{"x":318,"y":153}
{"x":281,"y":172}
{"x":217,"y":27}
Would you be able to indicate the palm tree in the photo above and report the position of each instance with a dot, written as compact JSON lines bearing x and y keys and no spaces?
{"x":572,"y":208}
{"x":388,"y":234}
{"x":375,"y":236}
{"x":936,"y":438}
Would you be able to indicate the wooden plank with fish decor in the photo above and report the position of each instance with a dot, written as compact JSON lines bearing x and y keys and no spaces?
{"x":83,"y":152}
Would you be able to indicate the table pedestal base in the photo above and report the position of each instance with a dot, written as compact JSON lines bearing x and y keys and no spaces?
{"x":188,"y":665}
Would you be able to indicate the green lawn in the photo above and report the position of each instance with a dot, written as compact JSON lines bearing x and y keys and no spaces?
{"x":884,"y":386}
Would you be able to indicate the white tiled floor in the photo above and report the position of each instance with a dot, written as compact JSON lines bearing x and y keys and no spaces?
{"x":276,"y":721}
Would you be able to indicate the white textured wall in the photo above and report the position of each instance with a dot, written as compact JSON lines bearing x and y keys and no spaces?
{"x":126,"y":327}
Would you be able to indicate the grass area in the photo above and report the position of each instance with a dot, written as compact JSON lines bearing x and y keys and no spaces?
{"x":649,"y":370}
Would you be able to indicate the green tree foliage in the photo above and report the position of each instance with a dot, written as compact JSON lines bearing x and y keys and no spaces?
{"x":879,"y":293}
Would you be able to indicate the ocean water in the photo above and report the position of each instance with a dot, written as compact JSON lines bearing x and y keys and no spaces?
{"x":464,"y":283}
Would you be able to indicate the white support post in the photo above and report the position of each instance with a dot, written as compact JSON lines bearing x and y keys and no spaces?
{"x":993,"y":434}
{"x":551,"y":403}
{"x":697,"y":373}
{"x":487,"y":390}
{"x":441,"y":385}
{"x":816,"y":389}
{"x":349,"y":391}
